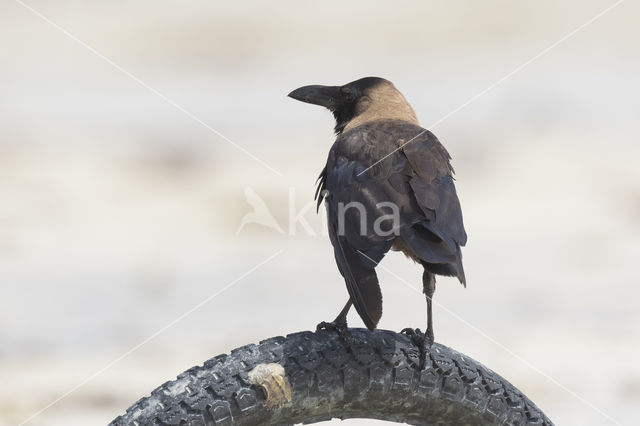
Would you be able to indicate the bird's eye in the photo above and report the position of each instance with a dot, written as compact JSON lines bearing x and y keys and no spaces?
{"x":348,"y":94}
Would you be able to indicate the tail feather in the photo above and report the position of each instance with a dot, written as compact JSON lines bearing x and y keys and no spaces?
{"x":362,"y":282}
{"x":443,"y":257}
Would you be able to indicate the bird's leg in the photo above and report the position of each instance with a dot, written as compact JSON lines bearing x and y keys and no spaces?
{"x":429,"y":287}
{"x":424,"y":340}
{"x":340,"y":323}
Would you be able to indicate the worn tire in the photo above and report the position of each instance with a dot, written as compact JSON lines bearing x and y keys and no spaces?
{"x":369,"y":375}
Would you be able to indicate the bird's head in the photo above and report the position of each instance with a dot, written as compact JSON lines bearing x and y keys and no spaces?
{"x":359,"y":102}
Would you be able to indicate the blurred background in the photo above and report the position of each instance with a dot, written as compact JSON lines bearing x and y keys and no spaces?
{"x":119,"y":207}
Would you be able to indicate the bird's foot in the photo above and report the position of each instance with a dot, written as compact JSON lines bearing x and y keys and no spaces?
{"x":340,"y":327}
{"x":423,"y":341}
{"x":414,"y":334}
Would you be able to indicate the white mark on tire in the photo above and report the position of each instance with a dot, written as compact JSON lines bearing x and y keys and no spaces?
{"x":273,"y":379}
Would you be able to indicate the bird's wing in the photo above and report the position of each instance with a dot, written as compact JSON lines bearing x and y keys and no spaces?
{"x":416,"y":178}
{"x":431,"y":179}
{"x":437,"y":238}
{"x":352,"y":207}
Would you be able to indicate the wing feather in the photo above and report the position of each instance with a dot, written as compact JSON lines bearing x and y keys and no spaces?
{"x":417,"y":178}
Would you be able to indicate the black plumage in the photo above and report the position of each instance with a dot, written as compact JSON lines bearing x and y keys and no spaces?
{"x":382,"y":158}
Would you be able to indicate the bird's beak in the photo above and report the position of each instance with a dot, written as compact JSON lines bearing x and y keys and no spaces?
{"x":326,"y":96}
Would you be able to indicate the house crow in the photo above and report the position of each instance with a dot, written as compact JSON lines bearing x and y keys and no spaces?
{"x":388,"y":185}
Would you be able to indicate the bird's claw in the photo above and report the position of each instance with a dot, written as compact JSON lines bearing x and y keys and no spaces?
{"x":423,"y":341}
{"x":410,"y":332}
{"x":414,"y":334}
{"x":340,"y":327}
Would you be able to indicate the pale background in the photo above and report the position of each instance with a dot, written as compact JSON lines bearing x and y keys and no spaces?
{"x":118,"y":212}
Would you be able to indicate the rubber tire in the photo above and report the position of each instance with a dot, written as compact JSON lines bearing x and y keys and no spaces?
{"x":368,"y":375}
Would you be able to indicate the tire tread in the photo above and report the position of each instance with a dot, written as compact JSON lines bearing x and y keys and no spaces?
{"x":373,"y":375}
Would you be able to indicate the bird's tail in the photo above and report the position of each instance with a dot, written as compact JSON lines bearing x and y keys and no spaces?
{"x":357,"y":268}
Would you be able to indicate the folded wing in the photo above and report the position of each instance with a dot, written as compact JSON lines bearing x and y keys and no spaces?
{"x":409,"y":194}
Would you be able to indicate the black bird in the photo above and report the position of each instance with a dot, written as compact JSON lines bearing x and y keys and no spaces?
{"x":382,"y":158}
